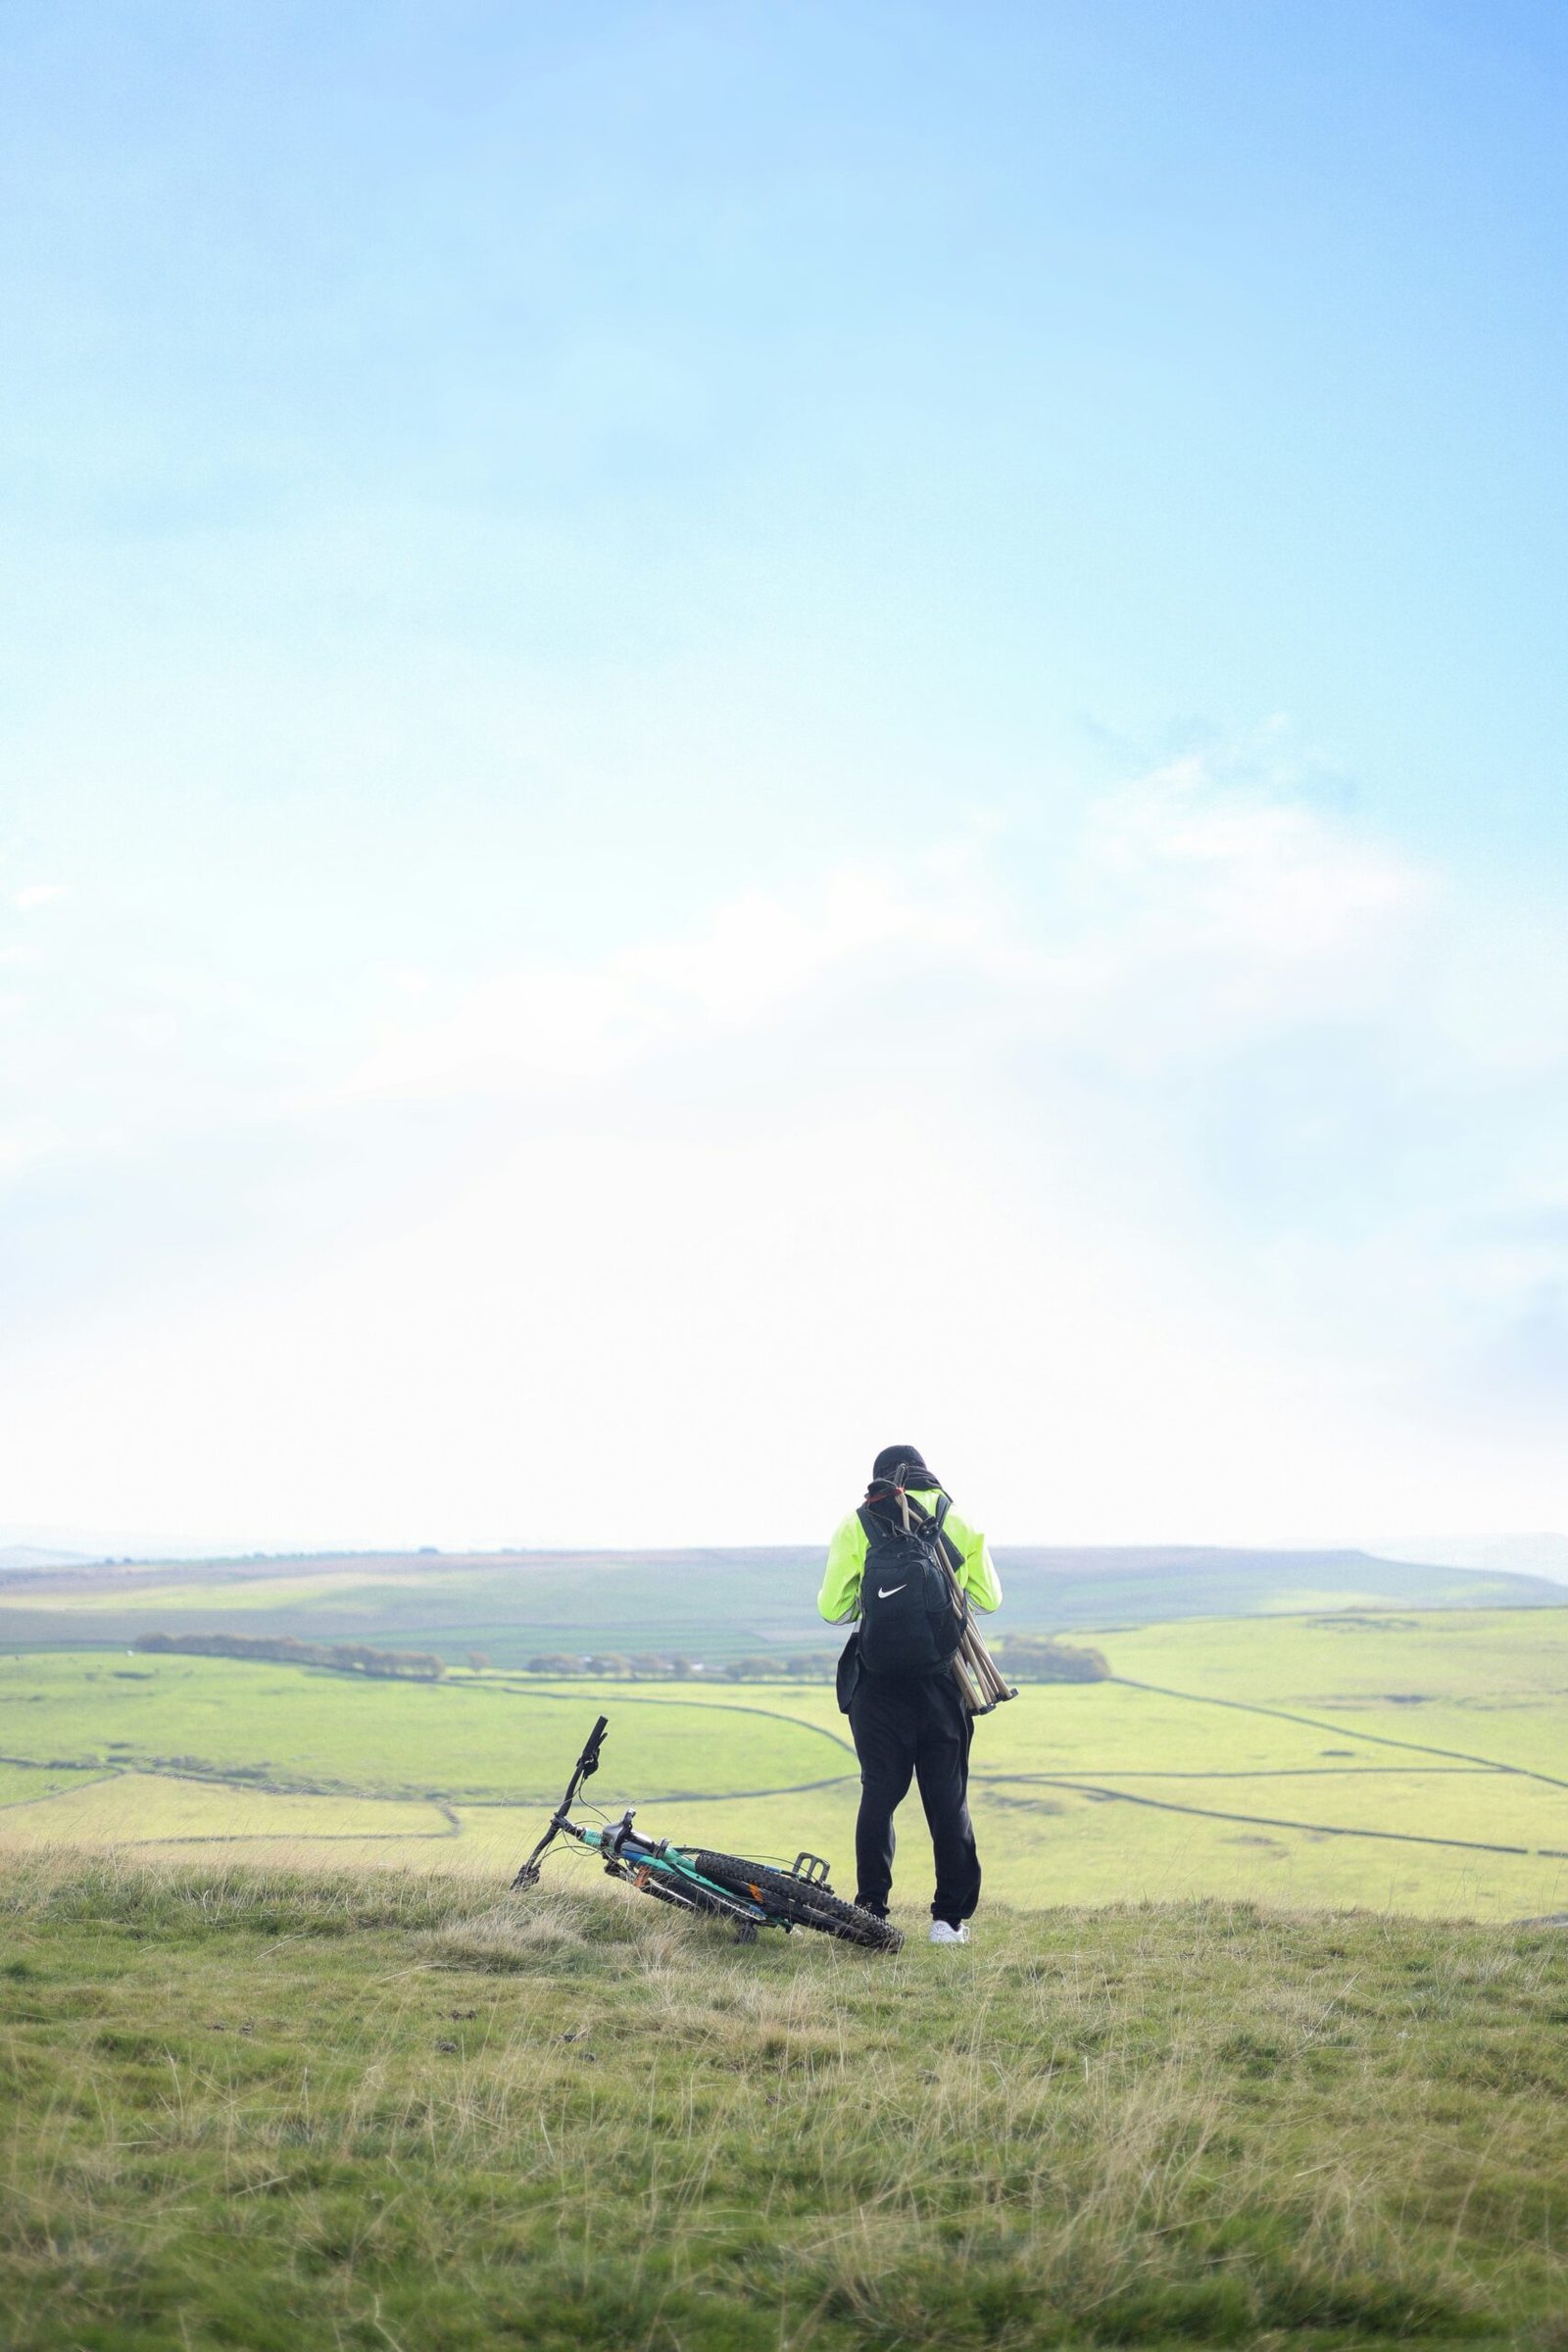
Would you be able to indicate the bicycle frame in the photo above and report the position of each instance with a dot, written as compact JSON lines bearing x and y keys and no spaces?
{"x":653,"y":1865}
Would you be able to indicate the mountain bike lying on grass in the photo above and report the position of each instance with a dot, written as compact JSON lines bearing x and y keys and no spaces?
{"x":754,"y":1894}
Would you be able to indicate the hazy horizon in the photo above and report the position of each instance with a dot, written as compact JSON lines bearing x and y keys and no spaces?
{"x":1543,"y":1554}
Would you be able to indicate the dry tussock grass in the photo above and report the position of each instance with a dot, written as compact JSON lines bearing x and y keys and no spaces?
{"x":1087,"y":2128}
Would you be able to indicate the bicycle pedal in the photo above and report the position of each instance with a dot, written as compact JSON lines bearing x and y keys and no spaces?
{"x":810,"y":1868}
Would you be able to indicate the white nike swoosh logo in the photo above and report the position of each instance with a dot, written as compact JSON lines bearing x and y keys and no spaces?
{"x":886,"y":1592}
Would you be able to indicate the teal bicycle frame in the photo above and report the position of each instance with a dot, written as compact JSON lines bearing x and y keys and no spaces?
{"x":653,"y":1865}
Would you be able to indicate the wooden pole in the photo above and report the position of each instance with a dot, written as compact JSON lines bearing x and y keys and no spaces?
{"x":980,"y":1679}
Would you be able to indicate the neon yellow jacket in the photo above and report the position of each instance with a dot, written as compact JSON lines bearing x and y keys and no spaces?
{"x":840,"y":1597}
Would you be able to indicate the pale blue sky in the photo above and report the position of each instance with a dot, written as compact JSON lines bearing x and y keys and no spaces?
{"x":601,"y":599}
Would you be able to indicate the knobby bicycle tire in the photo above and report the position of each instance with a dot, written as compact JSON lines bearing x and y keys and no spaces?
{"x":800,"y":1902}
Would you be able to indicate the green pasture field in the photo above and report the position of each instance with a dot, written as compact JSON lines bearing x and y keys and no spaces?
{"x":476,"y":1736}
{"x":1414,"y":1763}
{"x":346,"y":2111}
{"x":1494,"y":1682}
{"x":26,"y":1784}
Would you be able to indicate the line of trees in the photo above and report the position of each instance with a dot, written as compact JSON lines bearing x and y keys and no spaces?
{"x":1040,"y":1658}
{"x":815,"y":1666}
{"x":345,"y":1657}
{"x":1026,"y":1658}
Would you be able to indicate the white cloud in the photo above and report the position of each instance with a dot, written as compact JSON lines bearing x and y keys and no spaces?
{"x":758,"y":954}
{"x":1185,"y":918}
{"x":1279,"y":879}
{"x":1154,"y":1179}
{"x":34,"y":895}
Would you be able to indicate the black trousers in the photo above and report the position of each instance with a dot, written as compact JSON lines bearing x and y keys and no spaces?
{"x":925,"y":1729}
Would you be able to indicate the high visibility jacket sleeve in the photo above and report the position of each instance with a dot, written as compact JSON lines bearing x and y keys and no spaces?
{"x":840,"y":1597}
{"x":978,"y":1574}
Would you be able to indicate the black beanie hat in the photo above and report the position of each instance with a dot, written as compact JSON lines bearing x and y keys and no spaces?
{"x":894,"y":1459}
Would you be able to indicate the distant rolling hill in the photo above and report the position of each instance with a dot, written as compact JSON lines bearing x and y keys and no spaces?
{"x":34,"y":1556}
{"x":1540,"y":1554}
{"x":712,"y":1605}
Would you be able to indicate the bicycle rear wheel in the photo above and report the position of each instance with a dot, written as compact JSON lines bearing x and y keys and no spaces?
{"x":799,"y":1902}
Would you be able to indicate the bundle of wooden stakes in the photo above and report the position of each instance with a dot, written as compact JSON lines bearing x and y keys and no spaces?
{"x":979,"y":1677}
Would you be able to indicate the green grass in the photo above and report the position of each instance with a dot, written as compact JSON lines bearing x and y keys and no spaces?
{"x":310,"y":1730}
{"x":1411,"y":1764}
{"x":1487,"y":1682}
{"x":24,"y":1784}
{"x":278,"y":2113}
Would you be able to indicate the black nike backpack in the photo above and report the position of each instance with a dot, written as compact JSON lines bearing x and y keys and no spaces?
{"x":912,"y":1610}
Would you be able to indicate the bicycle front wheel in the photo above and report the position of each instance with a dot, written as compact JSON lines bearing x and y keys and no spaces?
{"x":798,"y":1903}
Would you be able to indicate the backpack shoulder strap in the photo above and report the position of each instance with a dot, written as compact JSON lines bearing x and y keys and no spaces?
{"x":936,"y":1521}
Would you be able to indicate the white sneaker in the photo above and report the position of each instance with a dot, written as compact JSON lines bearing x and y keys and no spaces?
{"x":940,"y":1933}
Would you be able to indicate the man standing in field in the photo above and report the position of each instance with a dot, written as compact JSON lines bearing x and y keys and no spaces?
{"x":896,"y":1677}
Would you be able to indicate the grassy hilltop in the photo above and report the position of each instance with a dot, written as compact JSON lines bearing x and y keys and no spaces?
{"x":285,"y":2113}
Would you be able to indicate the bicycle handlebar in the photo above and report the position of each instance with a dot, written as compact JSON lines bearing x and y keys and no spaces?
{"x":586,"y":1766}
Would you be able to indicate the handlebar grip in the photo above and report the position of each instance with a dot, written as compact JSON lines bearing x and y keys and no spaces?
{"x":588,"y":1761}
